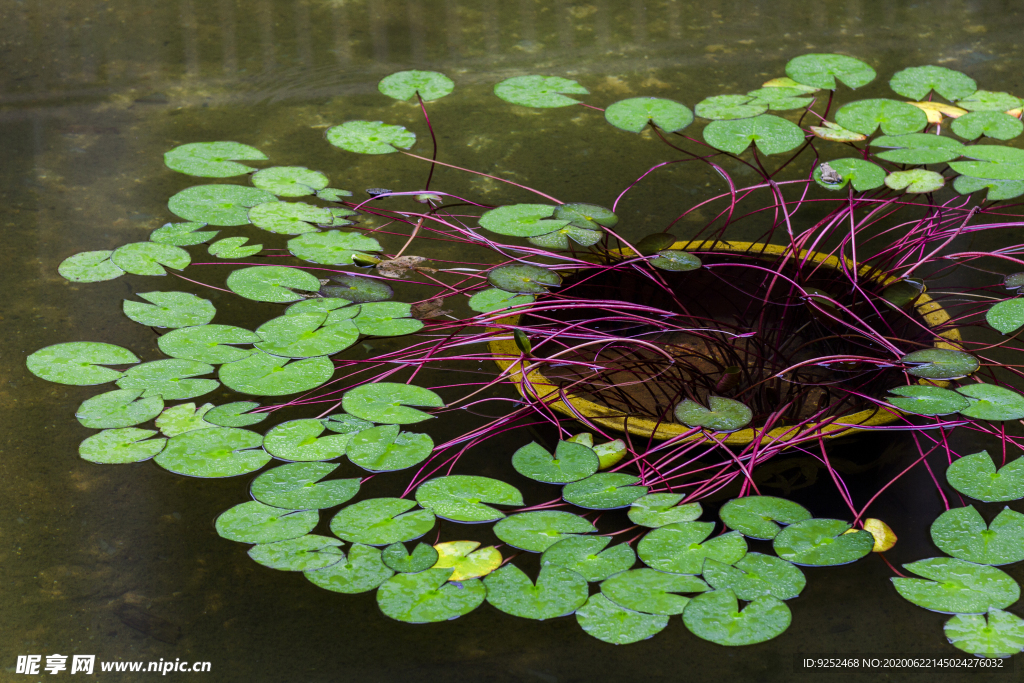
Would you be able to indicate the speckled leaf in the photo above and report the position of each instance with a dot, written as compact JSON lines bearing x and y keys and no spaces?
{"x":926,"y":400}
{"x":330,"y":194}
{"x":634,"y":114}
{"x":917,"y":81}
{"x":997,"y":189}
{"x":822,"y":543}
{"x":346,"y":424}
{"x":940,"y":363}
{"x":586,"y":555}
{"x":976,"y":476}
{"x":357,"y":289}
{"x":894,"y":117}
{"x":387,"y":319}
{"x":992,"y":124}
{"x":79,"y":363}
{"x":571,"y":462}
{"x":218,"y":204}
{"x":1006,"y":316}
{"x":118,"y":446}
{"x":380,"y":521}
{"x":428,"y":597}
{"x":170,"y":309}
{"x":232,"y":247}
{"x":756,"y":575}
{"x":168,"y":379}
{"x":651,"y":592}
{"x":234,"y":414}
{"x":681,"y":548}
{"x":300,"y":554}
{"x":675,"y":260}
{"x":301,"y":335}
{"x":333,"y":247}
{"x":212,"y":159}
{"x":722,"y":415}
{"x":716,"y":616}
{"x":822,"y":71}
{"x":466,"y":561}
{"x":403,"y":85}
{"x":915,"y":181}
{"x":262,"y":374}
{"x":992,"y":162}
{"x":386,"y":449}
{"x":658,"y":509}
{"x":771,"y":134}
{"x":149,"y":258}
{"x":207,"y":343}
{"x":398,"y":559}
{"x":119,"y":408}
{"x":182,"y":234}
{"x":370,"y":137}
{"x":361,"y":571}
{"x":387,"y":402}
{"x":537,"y":531}
{"x":295,"y":487}
{"x":863,"y":174}
{"x":461,"y":498}
{"x":608,"y":622}
{"x":296,"y":440}
{"x":272,"y":283}
{"x":494,"y":299}
{"x":559,"y":239}
{"x":289,"y":181}
{"x":521,"y":278}
{"x":539,"y":91}
{"x":254,"y":522}
{"x":1001,"y":636}
{"x":214,"y":452}
{"x":918,"y":148}
{"x":89,"y":266}
{"x":755,"y":516}
{"x":957,"y":587}
{"x":558,"y":592}
{"x":289,"y":218}
{"x":522,"y":220}
{"x":184,"y":417}
{"x":962,"y":533}
{"x":988,"y":100}
{"x":730,"y":107}
{"x":586,"y":216}
{"x":604,"y":491}
{"x":991,"y":402}
{"x":781,"y":98}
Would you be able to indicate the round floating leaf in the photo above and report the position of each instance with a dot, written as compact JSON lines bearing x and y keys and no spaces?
{"x":182,"y":234}
{"x":466,"y":560}
{"x":333,"y":247}
{"x":976,"y":476}
{"x":558,"y":592}
{"x":317,"y":305}
{"x":604,"y":491}
{"x":215,"y":452}
{"x":300,"y":554}
{"x":386,"y":402}
{"x":836,"y":133}
{"x":89,"y":266}
{"x":756,"y":575}
{"x":379,"y":521}
{"x":295,"y":487}
{"x":149,"y":258}
{"x":494,"y":299}
{"x":586,"y":556}
{"x":863,"y":174}
{"x":262,"y":374}
{"x":523,"y":279}
{"x":822,"y":543}
{"x":1006,"y":316}
{"x":755,"y":516}
{"x":724,"y":415}
{"x":167,"y":379}
{"x":427,"y":597}
{"x":360,"y":572}
{"x":539,"y":530}
{"x":940,"y":363}
{"x":895,"y":118}
{"x":301,"y":336}
{"x":992,"y":162}
{"x":296,"y":440}
{"x":655,"y":242}
{"x":586,"y":216}
{"x":117,"y":446}
{"x":634,"y":114}
{"x":539,"y":91}
{"x":116,"y":409}
{"x":254,"y":522}
{"x":781,"y":98}
{"x":916,"y":181}
{"x":357,"y":289}
{"x":918,"y":148}
{"x":404,"y":85}
{"x":716,"y":616}
{"x":651,"y":592}
{"x":608,"y":622}
{"x":822,"y":70}
{"x":370,"y":137}
{"x":232,"y":247}
{"x":991,"y":402}
{"x":289,"y":181}
{"x":987,"y":100}
{"x":387,"y":319}
{"x":675,"y":260}
{"x":346,"y":424}
{"x":170,"y":309}
{"x":771,"y":134}
{"x":997,"y":189}
{"x":962,"y":533}
{"x":1001,"y":636}
{"x":680,"y":548}
{"x":212,"y":159}
{"x":461,"y":498}
{"x":957,"y":587}
{"x":658,"y":509}
{"x":183,"y":418}
{"x":992,"y":124}
{"x":559,"y":239}
{"x":926,"y":400}
{"x":218,"y":204}
{"x":398,"y":559}
{"x":729,"y":107}
{"x":233,"y":414}
{"x":522,"y":220}
{"x":571,"y":462}
{"x":386,"y":449}
{"x":207,"y":344}
{"x":78,"y":363}
{"x":917,"y":81}
{"x":287,"y":218}
{"x":271,"y":283}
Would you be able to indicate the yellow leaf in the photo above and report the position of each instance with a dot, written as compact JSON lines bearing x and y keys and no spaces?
{"x":459,"y":555}
{"x":836,"y":133}
{"x":610,"y":453}
{"x":1015,"y":113}
{"x":584,"y":438}
{"x":884,"y":537}
{"x":941,"y":383}
{"x":935,"y":110}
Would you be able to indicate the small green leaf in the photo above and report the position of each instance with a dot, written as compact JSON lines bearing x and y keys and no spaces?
{"x":404,"y":85}
{"x":771,"y":134}
{"x":254,"y":522}
{"x":608,"y":622}
{"x":987,"y":100}
{"x":522,"y":220}
{"x":559,"y":239}
{"x":940,"y":363}
{"x":118,"y":446}
{"x":537,"y":531}
{"x":297,"y":441}
{"x":332,"y":248}
{"x":586,"y":216}
{"x":232,"y":247}
{"x":992,"y":402}
{"x":651,"y":244}
{"x":360,"y":572}
{"x":730,"y":107}
{"x":182,"y":234}
{"x":895,"y":118}
{"x":651,"y":592}
{"x":212,"y":159}
{"x":822,"y":70}
{"x":262,"y":374}
{"x":149,"y":258}
{"x":976,"y":476}
{"x":822,"y":543}
{"x":398,"y":559}
{"x":357,"y":289}
{"x":79,"y":363}
{"x":1006,"y":316}
{"x":917,"y":81}
{"x":716,"y":616}
{"x":218,"y":204}
{"x":233,"y":414}
{"x":755,"y":576}
{"x":379,"y":521}
{"x":331,"y":194}
{"x":426,"y":597}
{"x":571,"y":462}
{"x":89,"y":266}
{"x":926,"y":400}
{"x":370,"y":137}
{"x":170,"y":309}
{"x":387,"y":319}
{"x":539,"y":91}
{"x":386,"y":448}
{"x":634,"y":114}
{"x":207,"y":343}
{"x":301,"y":335}
{"x":520,"y":278}
{"x":863,"y":174}
{"x":658,"y":509}
{"x":781,"y":98}
{"x":675,"y":260}
{"x":755,"y":516}
{"x":494,"y":299}
{"x":1001,"y":636}
{"x":916,"y":181}
{"x":957,"y":587}
{"x":289,"y":181}
{"x":997,"y":189}
{"x":962,"y":533}
{"x":586,"y":555}
{"x":295,"y":487}
{"x":604,"y":491}
{"x":992,"y":162}
{"x":168,"y":379}
{"x":559,"y":591}
{"x":461,"y":498}
{"x":318,"y":305}
{"x":387,"y":402}
{"x":1014,"y":281}
{"x":213,"y":453}
{"x":346,"y":424}
{"x":992,"y":124}
{"x":682,"y":547}
{"x":119,"y":408}
{"x":289,"y":218}
{"x":182,"y":418}
{"x":918,"y":148}
{"x":300,"y":554}
{"x":271,"y":283}
{"x":724,"y":415}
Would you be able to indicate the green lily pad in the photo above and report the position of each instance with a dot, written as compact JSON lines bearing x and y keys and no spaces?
{"x":716,"y":616}
{"x":289,"y":218}
{"x":301,"y":335}
{"x":388,"y":403}
{"x":917,"y":81}
{"x":300,"y":554}
{"x":404,"y":85}
{"x":781,"y":98}
{"x":755,"y":516}
{"x":370,"y":137}
{"x":675,"y":260}
{"x":756,"y":575}
{"x":427,"y":597}
{"x":940,"y":363}
{"x":218,"y":204}
{"x":926,"y":400}
{"x":586,"y":216}
{"x":962,"y":533}
{"x":957,"y":587}
{"x":386,"y":449}
{"x":988,"y":100}
{"x":522,"y":220}
{"x":1014,"y":281}
{"x":332,"y":248}
{"x":863,"y":174}
{"x":461,"y":498}
{"x":1001,"y":636}
{"x":79,"y":363}
{"x":558,"y":592}
{"x":213,"y":453}
{"x":379,"y":521}
{"x":207,"y":343}
{"x":997,"y":189}
{"x":398,"y":559}
{"x":254,"y":522}
{"x":894,"y":117}
{"x":604,"y":491}
{"x":655,"y":242}
{"x":918,"y":148}
{"x":822,"y":543}
{"x":559,"y":239}
{"x":905,"y":292}
{"x":234,"y":414}
{"x":539,"y":91}
{"x":771,"y":134}
{"x":232,"y":247}
{"x":357,"y":289}
{"x":976,"y":476}
{"x":991,"y":402}
{"x":262,"y":374}
{"x":658,"y":509}
{"x":634,"y":114}
{"x":182,"y":418}
{"x":915,"y":181}
{"x":330,"y":194}
{"x":466,"y":560}
{"x":992,"y":124}
{"x":212,"y":159}
{"x":289,"y":181}
{"x":89,"y":266}
{"x":537,"y":531}
{"x":119,"y":408}
{"x":387,"y":319}
{"x":608,"y":622}
{"x":494,"y":299}
{"x":295,"y":487}
{"x":521,"y":278}
{"x":297,"y":441}
{"x":729,"y":107}
{"x":571,"y":462}
{"x":361,"y":571}
{"x":182,"y":234}
{"x":724,"y":415}
{"x":346,"y":424}
{"x":992,"y":162}
{"x":317,"y":305}
{"x":822,"y":71}
{"x":271,"y":283}
{"x":587,"y":556}
{"x":168,"y":379}
{"x":1006,"y":316}
{"x":149,"y":258}
{"x":118,"y":446}
{"x":681,"y":547}
{"x":651,"y":592}
{"x":170,"y":309}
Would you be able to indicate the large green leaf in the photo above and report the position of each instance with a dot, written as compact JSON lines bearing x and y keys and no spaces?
{"x":722,"y":414}
{"x":262,"y":374}
{"x":604,"y":491}
{"x":862,"y":173}
{"x":822,"y":543}
{"x":332,"y":248}
{"x":992,"y":124}
{"x":370,"y":137}
{"x":559,"y":239}
{"x":89,"y":266}
{"x":380,"y":521}
{"x":79,"y":363}
{"x":940,"y":363}
{"x":301,"y":335}
{"x":988,"y":100}
{"x":651,"y":592}
{"x":716,"y":616}
{"x":997,"y":189}
{"x":494,"y":299}
{"x":729,"y":107}
{"x":822,"y":70}
{"x":755,"y":516}
{"x":539,"y":530}
{"x":1006,"y":316}
{"x":289,"y":181}
{"x":782,"y":98}
{"x":289,"y":218}
{"x":962,"y":533}
{"x":894,"y":117}
{"x":682,"y":547}
{"x":297,"y":441}
{"x":918,"y":148}
{"x":927,"y":400}
{"x":991,"y":402}
{"x":587,"y":556}
{"x":234,"y":247}
{"x":386,"y":449}
{"x":915,"y":181}
{"x":299,"y":554}
{"x":427,"y":597}
{"x":917,"y":81}
{"x":634,"y":114}
{"x":234,"y":414}
{"x":168,"y":379}
{"x":957,"y":587}
{"x":675,"y":260}
{"x":361,"y":571}
{"x":608,"y":622}
{"x":119,"y":408}
{"x":118,"y":446}
{"x":207,"y":343}
{"x":976,"y":476}
{"x":388,"y":402}
{"x":403,"y":85}
{"x":149,"y":258}
{"x":218,"y":204}
{"x":658,"y":509}
{"x":295,"y":487}
{"x":182,"y":234}
{"x":756,"y":575}
{"x":586,"y":216}
{"x":558,"y":592}
{"x":993,"y":162}
{"x":522,"y":220}
{"x":170,"y":309}
{"x":357,"y":289}
{"x":214,"y":452}
{"x":571,"y":462}
{"x":771,"y":134}
{"x":271,"y":283}
{"x":343,"y":423}
{"x":184,"y":417}
{"x":1001,"y":636}
{"x":461,"y":498}
{"x":521,"y":278}
{"x":539,"y":91}
{"x":397,"y":558}
{"x":212,"y":159}
{"x":254,"y":522}
{"x":386,"y":319}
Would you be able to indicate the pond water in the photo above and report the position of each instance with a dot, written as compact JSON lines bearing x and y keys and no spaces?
{"x":123,"y":561}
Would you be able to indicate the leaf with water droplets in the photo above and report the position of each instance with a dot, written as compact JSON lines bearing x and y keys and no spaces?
{"x":756,"y":575}
{"x":346,"y":424}
{"x":398,"y":559}
{"x":234,"y":414}
{"x":387,"y":319}
{"x":651,"y":592}
{"x":537,"y":531}
{"x":863,"y":174}
{"x":300,"y":554}
{"x":272,"y":283}
{"x":522,"y":220}
{"x":170,"y":309}
{"x":1006,"y":316}
{"x":992,"y":162}
{"x":214,"y":452}
{"x":89,"y":266}
{"x":289,"y":181}
{"x":359,"y":572}
{"x":976,"y":476}
{"x":262,"y":374}
{"x":523,"y":279}
{"x":168,"y":379}
{"x":494,"y":299}
{"x":428,"y":597}
{"x":991,"y":402}
{"x":940,"y":363}
{"x":586,"y":555}
{"x":119,"y":446}
{"x":571,"y":462}
{"x":957,"y":587}
{"x":233,"y":247}
{"x":918,"y":148}
{"x":988,"y":100}
{"x":604,"y":491}
{"x":917,"y":81}
{"x":289,"y":218}
{"x":357,"y":289}
{"x":305,"y":335}
{"x":466,"y":560}
{"x":756,"y":516}
{"x":781,"y":98}
{"x":295,"y":487}
{"x":916,"y":181}
{"x":836,"y":133}
{"x":771,"y":134}
{"x":822,"y":71}
{"x":682,"y":547}
{"x":1001,"y":636}
{"x":675,"y":260}
{"x":79,"y":363}
{"x":894,"y":117}
{"x":149,"y":258}
{"x":634,"y":114}
{"x":461,"y":498}
{"x":370,"y":137}
{"x":182,"y":418}
{"x":927,"y":400}
{"x":388,"y":402}
{"x":332,"y":248}
{"x":992,"y":124}
{"x":297,"y":440}
{"x":119,"y":408}
{"x":403,"y":85}
{"x":212,"y":159}
{"x":539,"y":91}
{"x":723,"y":414}
{"x":658,"y":509}
{"x":962,"y":533}
{"x":558,"y":592}
{"x":207,"y":343}
{"x":716,"y":616}
{"x":997,"y":189}
{"x":608,"y":622}
{"x":822,"y":543}
{"x":559,"y":239}
{"x":380,"y":521}
{"x":729,"y":107}
{"x":182,"y":234}
{"x":386,"y":448}
{"x":218,"y":204}
{"x":254,"y":522}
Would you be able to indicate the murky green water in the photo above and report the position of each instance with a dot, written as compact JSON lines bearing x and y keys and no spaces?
{"x":93,"y":92}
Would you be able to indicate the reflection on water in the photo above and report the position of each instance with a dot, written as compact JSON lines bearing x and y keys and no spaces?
{"x":123,"y":562}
